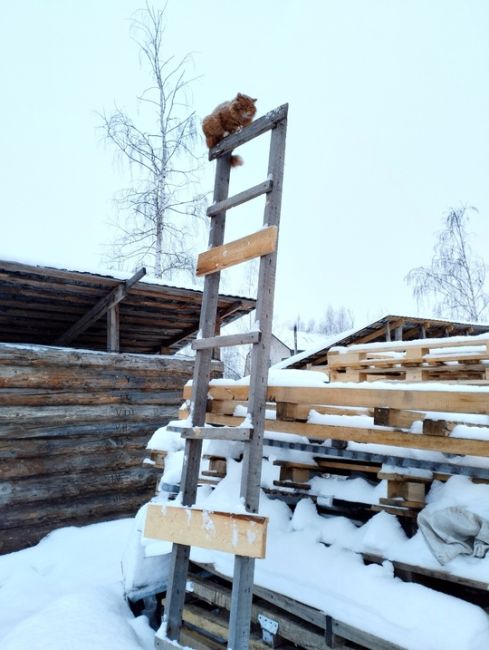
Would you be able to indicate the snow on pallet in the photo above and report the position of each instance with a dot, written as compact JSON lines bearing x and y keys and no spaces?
{"x":452,"y":359}
{"x":396,"y":440}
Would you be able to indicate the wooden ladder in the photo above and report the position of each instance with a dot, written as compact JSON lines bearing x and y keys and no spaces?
{"x":220,"y":256}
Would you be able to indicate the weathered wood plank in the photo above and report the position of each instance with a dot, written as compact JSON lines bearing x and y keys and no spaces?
{"x":218,"y":258}
{"x":256,"y":128}
{"x":241,"y":534}
{"x":240,"y":434}
{"x":238,"y":199}
{"x":193,"y":448}
{"x":17,"y":492}
{"x":246,"y":338}
{"x":32,"y":525}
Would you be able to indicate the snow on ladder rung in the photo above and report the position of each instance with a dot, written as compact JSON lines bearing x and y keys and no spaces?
{"x":238,"y":434}
{"x":238,"y":199}
{"x":262,"y":242}
{"x":245,"y":338}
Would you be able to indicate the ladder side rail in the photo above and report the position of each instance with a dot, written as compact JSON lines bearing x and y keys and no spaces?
{"x":172,"y":618}
{"x":241,"y":602}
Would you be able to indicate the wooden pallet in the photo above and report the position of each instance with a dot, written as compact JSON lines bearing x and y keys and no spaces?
{"x":282,"y":621}
{"x":424,"y":360}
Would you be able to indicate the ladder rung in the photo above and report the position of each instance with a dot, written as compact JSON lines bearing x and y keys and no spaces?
{"x":238,"y":199}
{"x":246,"y":338}
{"x":240,"y":434}
{"x":247,"y":248}
{"x":256,"y":128}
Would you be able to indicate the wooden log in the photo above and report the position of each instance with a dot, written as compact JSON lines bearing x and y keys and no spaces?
{"x":53,"y":433}
{"x":241,"y":534}
{"x":16,"y":492}
{"x":32,"y":525}
{"x":45,"y":397}
{"x":66,"y":357}
{"x":65,"y":464}
{"x":241,"y":250}
{"x":72,"y":445}
{"x":82,"y":509}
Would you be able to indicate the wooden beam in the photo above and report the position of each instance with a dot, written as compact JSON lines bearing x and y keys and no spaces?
{"x":462,"y":446}
{"x":451,"y":401}
{"x":103,"y":305}
{"x":224,"y":313}
{"x":240,"y":434}
{"x":246,"y":338}
{"x":256,"y":128}
{"x":113,"y":337}
{"x":262,"y":242}
{"x":241,"y":534}
{"x":238,"y":199}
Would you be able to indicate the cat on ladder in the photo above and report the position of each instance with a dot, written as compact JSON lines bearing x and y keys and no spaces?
{"x":227,"y":118}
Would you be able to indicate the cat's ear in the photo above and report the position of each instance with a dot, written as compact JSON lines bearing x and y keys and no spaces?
{"x":239,"y":95}
{"x":254,"y":100}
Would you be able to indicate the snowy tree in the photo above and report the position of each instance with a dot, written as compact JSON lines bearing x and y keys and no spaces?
{"x":158,"y":211}
{"x":456,"y":277}
{"x":333,"y":321}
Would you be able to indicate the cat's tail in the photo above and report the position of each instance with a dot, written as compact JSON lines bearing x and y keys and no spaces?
{"x":236,"y":161}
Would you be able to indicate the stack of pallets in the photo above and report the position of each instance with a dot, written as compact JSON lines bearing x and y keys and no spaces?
{"x":461,"y":359}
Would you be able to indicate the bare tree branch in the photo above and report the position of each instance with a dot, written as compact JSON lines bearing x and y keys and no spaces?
{"x":456,"y":278}
{"x":156,"y":214}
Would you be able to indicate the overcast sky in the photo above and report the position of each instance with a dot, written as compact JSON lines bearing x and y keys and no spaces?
{"x":388,"y":128}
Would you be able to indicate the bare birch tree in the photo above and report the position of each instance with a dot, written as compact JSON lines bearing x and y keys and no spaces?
{"x":158,"y":209}
{"x":456,"y":277}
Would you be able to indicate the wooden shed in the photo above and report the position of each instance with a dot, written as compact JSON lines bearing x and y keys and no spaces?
{"x":74,"y":418}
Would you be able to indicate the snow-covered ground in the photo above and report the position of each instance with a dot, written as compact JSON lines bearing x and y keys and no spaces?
{"x":66,"y":593}
{"x":327,"y":570}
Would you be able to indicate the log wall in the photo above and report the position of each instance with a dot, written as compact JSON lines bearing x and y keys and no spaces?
{"x":73,"y":430}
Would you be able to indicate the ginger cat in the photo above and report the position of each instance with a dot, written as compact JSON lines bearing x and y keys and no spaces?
{"x":227,"y":118}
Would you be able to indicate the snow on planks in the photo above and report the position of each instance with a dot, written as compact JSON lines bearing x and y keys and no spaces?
{"x":439,"y":360}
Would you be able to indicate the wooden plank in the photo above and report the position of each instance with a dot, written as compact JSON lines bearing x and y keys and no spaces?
{"x":240,"y":434}
{"x":260,"y":354}
{"x":246,"y":338}
{"x":216,"y":626}
{"x":218,"y":258}
{"x":451,"y":401}
{"x":242,"y":197}
{"x":463,"y":446}
{"x":289,"y":629}
{"x":193,"y":448}
{"x":241,"y":534}
{"x":387,"y":417}
{"x":100,"y":308}
{"x":256,"y":128}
